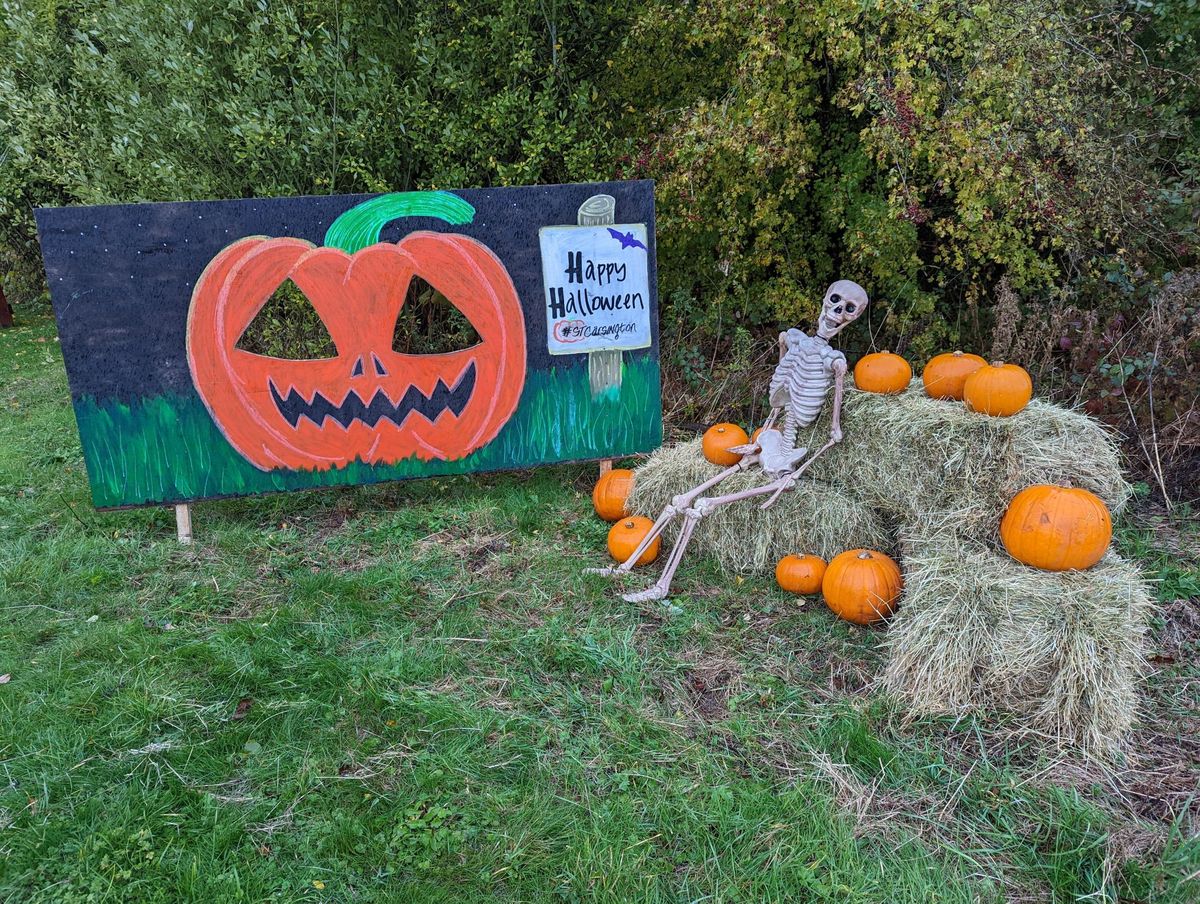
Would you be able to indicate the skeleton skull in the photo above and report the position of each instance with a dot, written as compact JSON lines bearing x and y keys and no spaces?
{"x":844,"y":303}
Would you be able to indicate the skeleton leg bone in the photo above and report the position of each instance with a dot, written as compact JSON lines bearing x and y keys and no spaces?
{"x":680,"y":503}
{"x":692,"y":516}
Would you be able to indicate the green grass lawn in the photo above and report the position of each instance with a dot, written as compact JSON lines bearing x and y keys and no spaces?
{"x":408,"y":692}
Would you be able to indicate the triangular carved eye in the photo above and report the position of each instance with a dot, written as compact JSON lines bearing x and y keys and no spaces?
{"x":430,"y":324}
{"x":289,"y":327}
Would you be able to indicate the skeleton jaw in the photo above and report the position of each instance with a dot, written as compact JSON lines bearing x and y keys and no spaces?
{"x":827,"y":328}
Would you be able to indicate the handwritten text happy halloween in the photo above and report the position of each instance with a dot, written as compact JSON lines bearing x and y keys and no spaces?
{"x":597,"y":289}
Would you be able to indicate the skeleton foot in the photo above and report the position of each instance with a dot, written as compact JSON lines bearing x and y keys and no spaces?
{"x":607,"y":572}
{"x":656,"y":592}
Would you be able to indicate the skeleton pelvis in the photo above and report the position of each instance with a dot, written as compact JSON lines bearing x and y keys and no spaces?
{"x":777,"y":457}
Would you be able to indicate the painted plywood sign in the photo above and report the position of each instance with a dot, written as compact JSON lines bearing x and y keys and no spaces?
{"x":154,"y":302}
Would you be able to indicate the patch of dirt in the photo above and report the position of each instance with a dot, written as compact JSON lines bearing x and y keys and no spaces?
{"x":1163,"y":783}
{"x":707,"y":687}
{"x":1180,"y":634}
{"x":842,"y":675}
{"x":484,"y":550}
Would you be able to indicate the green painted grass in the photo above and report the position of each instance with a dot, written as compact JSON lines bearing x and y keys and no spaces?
{"x":409,"y":693}
{"x":167,"y":449}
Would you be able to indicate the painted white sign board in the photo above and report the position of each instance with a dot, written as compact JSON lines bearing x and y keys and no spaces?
{"x":597,"y":287}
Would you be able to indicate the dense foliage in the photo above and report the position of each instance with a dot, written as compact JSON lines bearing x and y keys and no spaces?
{"x":1018,"y":176}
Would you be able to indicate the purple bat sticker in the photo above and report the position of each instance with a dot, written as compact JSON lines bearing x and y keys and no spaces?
{"x":626,"y":239}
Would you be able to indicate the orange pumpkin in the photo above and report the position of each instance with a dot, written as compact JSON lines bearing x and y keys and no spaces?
{"x":945,"y":375}
{"x":862,"y":585}
{"x":882,"y":372}
{"x":1056,"y":528}
{"x":610,"y":493}
{"x":717,"y":440}
{"x":998,"y":389}
{"x":625,"y":535}
{"x":800,"y":574}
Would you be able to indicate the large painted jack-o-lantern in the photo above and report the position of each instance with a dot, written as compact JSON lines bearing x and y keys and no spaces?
{"x":368,"y":402}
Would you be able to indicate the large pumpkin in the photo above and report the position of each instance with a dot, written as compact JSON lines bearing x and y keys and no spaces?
{"x":998,"y":389}
{"x":862,"y":585}
{"x":1056,"y":528}
{"x":945,"y":375}
{"x":367,"y":402}
{"x":611,"y":492}
{"x":882,"y":372}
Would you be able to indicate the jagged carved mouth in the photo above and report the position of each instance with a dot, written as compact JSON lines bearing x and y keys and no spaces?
{"x":294,"y":406}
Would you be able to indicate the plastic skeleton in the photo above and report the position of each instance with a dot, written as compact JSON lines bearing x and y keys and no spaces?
{"x":808,"y":367}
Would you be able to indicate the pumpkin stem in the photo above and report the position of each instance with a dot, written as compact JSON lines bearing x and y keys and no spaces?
{"x":864,"y":555}
{"x":361,"y":225}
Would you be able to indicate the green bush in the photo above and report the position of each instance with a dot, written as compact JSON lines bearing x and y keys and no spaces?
{"x":925,"y":149}
{"x":184,"y":99}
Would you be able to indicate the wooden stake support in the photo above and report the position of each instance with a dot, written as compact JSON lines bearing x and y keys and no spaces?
{"x":604,"y":368}
{"x":183,"y":523}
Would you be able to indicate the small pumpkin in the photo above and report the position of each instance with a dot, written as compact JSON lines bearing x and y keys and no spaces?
{"x":882,"y":372}
{"x":717,"y":440}
{"x":611,"y":492}
{"x":998,"y":389}
{"x":1056,"y":528}
{"x":626,"y":534}
{"x":862,"y":585}
{"x":945,"y":374}
{"x":800,"y":574}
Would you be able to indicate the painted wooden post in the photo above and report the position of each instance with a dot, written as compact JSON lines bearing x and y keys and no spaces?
{"x":604,"y":367}
{"x":183,"y":523}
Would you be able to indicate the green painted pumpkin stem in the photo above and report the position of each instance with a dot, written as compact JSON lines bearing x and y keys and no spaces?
{"x":361,"y":225}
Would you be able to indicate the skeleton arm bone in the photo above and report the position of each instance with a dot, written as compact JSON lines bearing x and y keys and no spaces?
{"x":839,"y":392}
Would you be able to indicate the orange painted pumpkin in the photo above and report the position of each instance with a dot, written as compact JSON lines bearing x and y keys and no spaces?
{"x":998,"y":389}
{"x":626,"y":534}
{"x":800,"y":574}
{"x":945,"y":375}
{"x":367,"y":402}
{"x":717,"y":440}
{"x":882,"y":372}
{"x":1056,"y":528}
{"x":610,"y":493}
{"x":862,"y":585}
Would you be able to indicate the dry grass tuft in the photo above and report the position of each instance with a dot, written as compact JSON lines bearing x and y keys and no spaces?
{"x":1062,"y":652}
{"x":741,"y":537}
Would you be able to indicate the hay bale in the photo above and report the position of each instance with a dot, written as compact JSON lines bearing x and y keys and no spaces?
{"x":1062,"y":652}
{"x":910,"y":457}
{"x":813,"y":518}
